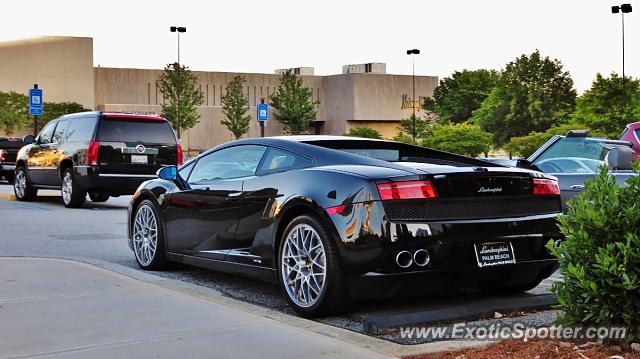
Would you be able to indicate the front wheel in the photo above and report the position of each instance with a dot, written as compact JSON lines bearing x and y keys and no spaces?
{"x":73,"y":196}
{"x":309,"y":268}
{"x":22,"y":187}
{"x":148,"y":240}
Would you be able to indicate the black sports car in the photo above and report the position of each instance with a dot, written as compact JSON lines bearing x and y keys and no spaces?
{"x":339,"y":218}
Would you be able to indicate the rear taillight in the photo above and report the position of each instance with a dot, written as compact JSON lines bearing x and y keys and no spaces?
{"x":92,"y":153}
{"x":179,"y":154}
{"x":3,"y":155}
{"x":545,"y":186}
{"x":407,"y":190}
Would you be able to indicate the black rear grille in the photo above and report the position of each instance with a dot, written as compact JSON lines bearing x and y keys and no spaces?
{"x":471,"y":207}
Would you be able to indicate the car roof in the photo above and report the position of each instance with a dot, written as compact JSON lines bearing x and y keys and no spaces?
{"x":313,"y":138}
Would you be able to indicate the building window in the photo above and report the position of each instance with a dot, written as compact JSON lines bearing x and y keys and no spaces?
{"x":296,"y":71}
{"x":214,"y":95}
{"x":207,"y":94}
{"x":367,"y":68}
{"x":254,"y":96}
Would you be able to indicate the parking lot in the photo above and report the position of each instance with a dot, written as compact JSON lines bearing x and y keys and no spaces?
{"x":98,"y":232}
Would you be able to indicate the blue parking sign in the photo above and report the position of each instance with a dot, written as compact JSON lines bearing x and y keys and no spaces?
{"x":263,"y":112}
{"x":35,"y":102}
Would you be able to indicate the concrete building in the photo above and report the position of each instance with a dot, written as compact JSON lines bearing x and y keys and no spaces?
{"x":363,"y":95}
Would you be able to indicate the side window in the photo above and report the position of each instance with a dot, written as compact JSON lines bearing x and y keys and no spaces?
{"x":81,"y":129}
{"x":278,"y":160}
{"x":59,"y":133}
{"x":227,"y":163}
{"x":47,"y":133}
{"x":186,"y":170}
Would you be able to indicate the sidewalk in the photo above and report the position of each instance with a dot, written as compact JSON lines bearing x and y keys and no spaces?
{"x":65,"y":309}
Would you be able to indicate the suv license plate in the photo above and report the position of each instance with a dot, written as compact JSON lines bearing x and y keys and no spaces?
{"x":139,"y":159}
{"x":494,"y":253}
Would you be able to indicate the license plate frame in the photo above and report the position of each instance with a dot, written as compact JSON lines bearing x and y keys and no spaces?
{"x":491,"y":254}
{"x":140,"y":159}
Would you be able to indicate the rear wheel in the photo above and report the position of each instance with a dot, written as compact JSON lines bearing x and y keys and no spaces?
{"x":72,"y":195}
{"x":148,"y":238}
{"x":22,"y":187}
{"x":98,"y":197}
{"x":309,"y":268}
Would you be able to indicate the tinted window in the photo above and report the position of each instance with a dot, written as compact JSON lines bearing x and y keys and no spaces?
{"x":58,"y":134}
{"x":380,"y":154}
{"x":231,"y":162}
{"x":46,"y":134}
{"x":81,"y":129}
{"x":278,"y":160}
{"x":140,"y":131}
{"x":573,"y":155}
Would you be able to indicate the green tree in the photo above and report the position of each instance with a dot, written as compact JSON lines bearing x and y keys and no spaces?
{"x":532,"y":94}
{"x":463,"y":138}
{"x":235,"y":106}
{"x":603,"y":108}
{"x":423,"y":127}
{"x":366,"y":132}
{"x":295,"y":109}
{"x":457,"y":96}
{"x":182,"y":96}
{"x":14,"y":111}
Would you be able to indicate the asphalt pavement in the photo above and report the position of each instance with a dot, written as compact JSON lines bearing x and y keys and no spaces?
{"x":45,"y":228}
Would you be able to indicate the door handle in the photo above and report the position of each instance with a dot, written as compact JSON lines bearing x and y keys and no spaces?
{"x":234,"y":195}
{"x":578,"y":186}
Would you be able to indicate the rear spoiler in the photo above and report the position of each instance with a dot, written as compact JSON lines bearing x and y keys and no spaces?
{"x":133,"y":116}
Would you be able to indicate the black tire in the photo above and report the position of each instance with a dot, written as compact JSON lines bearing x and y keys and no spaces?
{"x":23,"y":190}
{"x":332,"y":298}
{"x":75,"y":196}
{"x":158,"y":260}
{"x":98,"y":197}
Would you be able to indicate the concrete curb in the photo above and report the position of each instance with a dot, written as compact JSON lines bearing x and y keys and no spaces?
{"x":7,"y":196}
{"x":361,"y":340}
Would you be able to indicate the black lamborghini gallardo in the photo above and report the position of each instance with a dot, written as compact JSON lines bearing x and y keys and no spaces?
{"x":339,"y":218}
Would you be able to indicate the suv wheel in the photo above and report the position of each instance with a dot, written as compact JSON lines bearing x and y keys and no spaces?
{"x":22,"y":188}
{"x":148,"y":239}
{"x":72,"y":195}
{"x":98,"y":197}
{"x":309,"y":268}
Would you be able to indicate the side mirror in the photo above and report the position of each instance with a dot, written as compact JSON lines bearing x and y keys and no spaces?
{"x":169,"y":173}
{"x":523,"y":163}
{"x":619,"y":158}
{"x":28,"y":139}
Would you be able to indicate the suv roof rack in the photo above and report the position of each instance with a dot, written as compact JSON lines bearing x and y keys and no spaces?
{"x":578,"y":133}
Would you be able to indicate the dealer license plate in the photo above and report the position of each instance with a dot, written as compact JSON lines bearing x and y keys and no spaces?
{"x":139,"y":159}
{"x":494,"y":253}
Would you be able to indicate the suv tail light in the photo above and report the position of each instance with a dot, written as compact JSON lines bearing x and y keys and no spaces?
{"x":545,"y":186}
{"x":3,"y":155}
{"x":179,"y":154}
{"x":92,"y":153}
{"x":407,"y":190}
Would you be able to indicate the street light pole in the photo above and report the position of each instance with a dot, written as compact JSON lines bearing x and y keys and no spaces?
{"x":413,"y":97}
{"x":622,"y":9}
{"x":178,"y":30}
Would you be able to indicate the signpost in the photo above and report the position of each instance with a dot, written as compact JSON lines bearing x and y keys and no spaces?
{"x":35,"y":106}
{"x":263,"y":115}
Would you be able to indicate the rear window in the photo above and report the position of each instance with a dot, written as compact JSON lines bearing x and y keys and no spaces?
{"x":141,"y":131}
{"x":377,"y":153}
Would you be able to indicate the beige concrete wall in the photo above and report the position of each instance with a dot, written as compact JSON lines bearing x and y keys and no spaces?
{"x":388,"y":129}
{"x":61,"y":66}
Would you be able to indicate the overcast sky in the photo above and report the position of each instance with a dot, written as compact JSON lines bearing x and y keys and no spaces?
{"x":260,"y":36}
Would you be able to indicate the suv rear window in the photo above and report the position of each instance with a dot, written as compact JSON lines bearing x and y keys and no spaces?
{"x":138,"y":130}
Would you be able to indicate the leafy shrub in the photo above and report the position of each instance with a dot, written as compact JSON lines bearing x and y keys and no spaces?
{"x":366,"y":132}
{"x":464,"y":139}
{"x":600,"y":258}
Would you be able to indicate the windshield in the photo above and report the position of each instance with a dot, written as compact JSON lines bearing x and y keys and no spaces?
{"x":573,"y":155}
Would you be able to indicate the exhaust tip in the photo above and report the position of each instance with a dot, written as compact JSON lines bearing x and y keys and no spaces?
{"x":421,"y":257}
{"x":404,"y":259}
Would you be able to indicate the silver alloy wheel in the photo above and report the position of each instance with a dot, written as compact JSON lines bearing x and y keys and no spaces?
{"x":67,"y":187}
{"x":303,"y":265}
{"x":20,"y":184}
{"x":145,"y":235}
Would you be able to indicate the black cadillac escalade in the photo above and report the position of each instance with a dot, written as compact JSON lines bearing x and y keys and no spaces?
{"x":95,"y":153}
